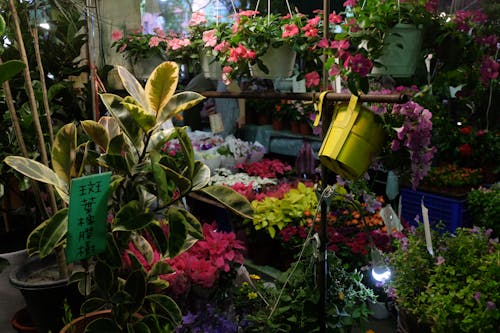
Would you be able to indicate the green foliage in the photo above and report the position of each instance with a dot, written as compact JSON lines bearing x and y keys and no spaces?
{"x":294,"y":302}
{"x":457,"y":289}
{"x":484,"y":207}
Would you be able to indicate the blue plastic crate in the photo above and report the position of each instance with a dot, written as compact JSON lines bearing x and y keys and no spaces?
{"x":451,"y":211}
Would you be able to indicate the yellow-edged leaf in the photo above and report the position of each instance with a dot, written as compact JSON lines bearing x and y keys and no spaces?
{"x":132,"y":86}
{"x":64,"y":153}
{"x":179,"y":103}
{"x":161,"y":85}
{"x":97,"y":132}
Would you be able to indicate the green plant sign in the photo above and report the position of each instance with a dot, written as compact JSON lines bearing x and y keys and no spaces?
{"x":87,"y":216}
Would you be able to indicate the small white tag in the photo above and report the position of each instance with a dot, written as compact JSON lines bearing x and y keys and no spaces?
{"x":216,"y":125}
{"x":298,"y":86}
{"x":390,"y":219}
{"x":427,"y":228}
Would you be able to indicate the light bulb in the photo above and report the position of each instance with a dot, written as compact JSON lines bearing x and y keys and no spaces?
{"x":44,"y":25}
{"x":380,"y":271}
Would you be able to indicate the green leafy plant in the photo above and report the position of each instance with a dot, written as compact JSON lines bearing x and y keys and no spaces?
{"x":455,"y":289}
{"x":484,"y":207}
{"x":147,"y":188}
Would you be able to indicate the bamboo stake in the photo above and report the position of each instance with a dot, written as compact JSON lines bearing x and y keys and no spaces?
{"x":38,"y":128}
{"x":34,"y":33}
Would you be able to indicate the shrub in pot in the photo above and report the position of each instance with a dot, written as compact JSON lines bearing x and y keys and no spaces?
{"x":146,"y":192}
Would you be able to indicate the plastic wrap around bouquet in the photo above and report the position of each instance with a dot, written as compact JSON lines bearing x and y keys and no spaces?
{"x":352,"y":142}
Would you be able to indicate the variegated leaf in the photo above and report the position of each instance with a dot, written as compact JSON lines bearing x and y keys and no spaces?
{"x":64,"y":153}
{"x":161,"y":85}
{"x":132,"y":86}
{"x":179,"y":103}
{"x":97,"y":132}
{"x":145,"y":120}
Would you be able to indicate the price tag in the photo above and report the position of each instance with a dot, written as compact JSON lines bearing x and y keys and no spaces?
{"x":216,"y":125}
{"x":427,"y":228}
{"x":88,"y":203}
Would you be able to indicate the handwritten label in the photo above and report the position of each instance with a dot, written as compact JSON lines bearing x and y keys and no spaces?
{"x":88,"y":203}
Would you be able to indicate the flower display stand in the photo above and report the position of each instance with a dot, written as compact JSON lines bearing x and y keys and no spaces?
{"x":452,"y":212}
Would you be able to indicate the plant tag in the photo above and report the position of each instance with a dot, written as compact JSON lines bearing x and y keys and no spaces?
{"x":216,"y":125}
{"x":427,"y":228}
{"x":390,"y":219}
{"x":88,"y":204}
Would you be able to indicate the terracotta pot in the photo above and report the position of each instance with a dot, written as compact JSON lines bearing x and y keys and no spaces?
{"x":22,"y":323}
{"x":305,"y":128}
{"x":294,"y":126}
{"x":79,"y":324}
{"x":277,"y":124}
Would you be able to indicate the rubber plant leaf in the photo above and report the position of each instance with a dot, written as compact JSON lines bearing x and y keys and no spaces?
{"x":136,"y":287}
{"x":132,"y":217}
{"x":53,"y":233}
{"x":187,"y":150}
{"x":133,"y":87}
{"x":39,"y":172}
{"x":97,"y":132}
{"x":145,"y":119}
{"x":102,"y":325}
{"x":159,"y":268}
{"x":231,"y":199}
{"x":193,"y":226}
{"x":160,"y":177}
{"x":166,"y":306}
{"x":177,"y":231}
{"x":93,"y":304}
{"x":160,"y":86}
{"x":103,"y":276}
{"x":114,"y":104}
{"x":201,"y":176}
{"x":178,"y":103}
{"x":64,"y":152}
{"x":183,"y":184}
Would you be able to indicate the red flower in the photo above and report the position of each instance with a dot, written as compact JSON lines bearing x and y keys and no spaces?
{"x":466,"y":130}
{"x":465,"y":150}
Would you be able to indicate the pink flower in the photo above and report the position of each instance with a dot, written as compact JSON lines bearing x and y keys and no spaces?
{"x":290,"y":30}
{"x":313,"y":22}
{"x":209,"y":38}
{"x":439,"y":261}
{"x":350,"y":3}
{"x":335,"y":18}
{"x":340,"y":44}
{"x":310,"y":31}
{"x":248,"y":13}
{"x":334,"y":70}
{"x":222,"y":46}
{"x":489,"y":70}
{"x":361,"y":65}
{"x":178,"y":43}
{"x":312,"y":79}
{"x":154,"y":41}
{"x":197,"y":18}
{"x":116,"y":35}
{"x":323,"y":43}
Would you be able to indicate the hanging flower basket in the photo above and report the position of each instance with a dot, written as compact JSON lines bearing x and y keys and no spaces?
{"x":401,"y":51}
{"x":278,"y":60}
{"x":353,"y":140}
{"x":211,"y":69}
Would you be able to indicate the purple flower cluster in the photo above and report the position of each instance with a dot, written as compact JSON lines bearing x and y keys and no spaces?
{"x":415,"y":135}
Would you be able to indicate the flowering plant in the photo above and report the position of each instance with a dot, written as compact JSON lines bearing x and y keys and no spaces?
{"x":455,"y":288}
{"x":450,"y":178}
{"x":136,"y":45}
{"x":202,"y":264}
{"x":251,"y":35}
{"x":267,"y":168}
{"x":408,"y":127}
{"x":484,"y":206}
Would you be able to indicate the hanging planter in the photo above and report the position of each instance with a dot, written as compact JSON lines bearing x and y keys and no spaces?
{"x":211,"y":69}
{"x":278,"y":60}
{"x":143,"y":67}
{"x":353,"y":140}
{"x":401,"y":51}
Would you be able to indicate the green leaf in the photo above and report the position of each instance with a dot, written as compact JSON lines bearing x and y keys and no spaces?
{"x":166,"y":306}
{"x":161,"y":86}
{"x":231,"y":199}
{"x":159,"y":268}
{"x":104,"y":277}
{"x":133,"y":87}
{"x":182,"y":183}
{"x":159,"y":176}
{"x":114,"y":104}
{"x":39,"y":172}
{"x":193,"y":226}
{"x":97,"y":133}
{"x":178,"y":103}
{"x":102,"y":325}
{"x":136,"y":287}
{"x":159,"y":238}
{"x":143,"y":246}
{"x":63,"y":152}
{"x":9,"y":69}
{"x":145,"y":119}
{"x":93,"y":304}
{"x":112,"y":256}
{"x":140,"y":327}
{"x":187,"y":150}
{"x":55,"y":230}
{"x":201,"y":176}
{"x":131,"y":217}
{"x":177,"y":231}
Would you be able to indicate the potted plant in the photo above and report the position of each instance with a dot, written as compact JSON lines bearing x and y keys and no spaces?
{"x":146,"y":190}
{"x":482,"y":203}
{"x":451,"y":288}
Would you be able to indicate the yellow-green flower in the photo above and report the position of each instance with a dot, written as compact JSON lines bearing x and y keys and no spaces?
{"x":252,"y":295}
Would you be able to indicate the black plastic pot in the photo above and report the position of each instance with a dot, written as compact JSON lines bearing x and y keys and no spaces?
{"x":45,"y":298}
